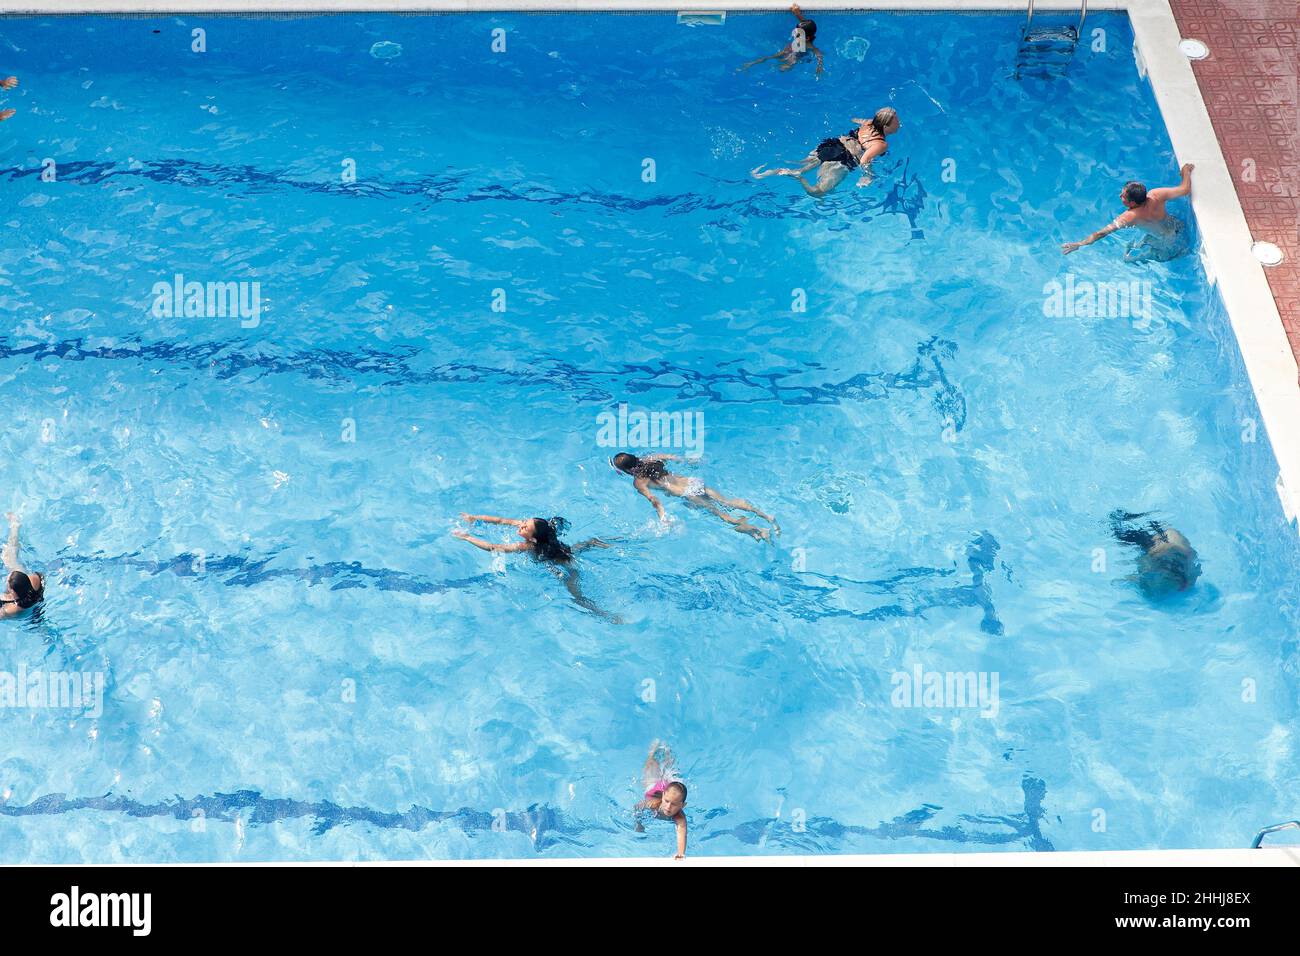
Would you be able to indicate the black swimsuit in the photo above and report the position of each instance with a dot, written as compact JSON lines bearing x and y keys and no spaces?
{"x":834,"y":151}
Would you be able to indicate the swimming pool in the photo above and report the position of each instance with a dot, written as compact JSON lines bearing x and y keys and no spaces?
{"x":246,"y":517}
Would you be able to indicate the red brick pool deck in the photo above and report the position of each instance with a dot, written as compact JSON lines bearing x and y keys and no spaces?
{"x":1249,"y":86}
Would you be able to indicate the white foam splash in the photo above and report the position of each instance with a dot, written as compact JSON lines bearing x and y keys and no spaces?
{"x":855,"y":48}
{"x":924,"y":92}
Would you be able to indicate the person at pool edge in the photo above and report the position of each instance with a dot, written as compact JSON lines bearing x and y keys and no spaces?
{"x":541,"y":538}
{"x":1165,"y":234}
{"x":649,"y":472}
{"x":23,"y":589}
{"x":8,"y":83}
{"x":838,"y":156}
{"x":665,"y":795}
{"x":800,"y":45}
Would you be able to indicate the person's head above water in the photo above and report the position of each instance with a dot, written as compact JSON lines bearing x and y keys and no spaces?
{"x":28,"y":590}
{"x":638,"y":467}
{"x":544,"y":536}
{"x":1133,"y":195}
{"x":673,"y":799}
{"x":886,"y":121}
{"x":809,"y":29}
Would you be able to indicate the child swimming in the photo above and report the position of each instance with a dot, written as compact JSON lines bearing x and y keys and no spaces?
{"x":8,"y":83}
{"x":541,"y":538}
{"x":1166,"y":236}
{"x":665,"y":795}
{"x":649,"y":472}
{"x":797,"y":49}
{"x":838,"y":156}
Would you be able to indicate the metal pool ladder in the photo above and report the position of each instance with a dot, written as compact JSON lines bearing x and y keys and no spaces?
{"x":1259,"y":837}
{"x":1047,"y":51}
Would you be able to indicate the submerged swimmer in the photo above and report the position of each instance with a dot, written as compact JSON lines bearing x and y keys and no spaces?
{"x":1166,"y":234}
{"x":665,"y":795}
{"x":23,"y":589}
{"x":649,"y":472}
{"x":541,"y":537}
{"x":838,"y":156}
{"x":8,"y":83}
{"x":800,"y":45}
{"x":1168,"y":563}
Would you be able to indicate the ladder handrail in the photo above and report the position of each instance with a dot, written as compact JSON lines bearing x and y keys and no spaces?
{"x":1083,"y":15}
{"x":1259,"y":837}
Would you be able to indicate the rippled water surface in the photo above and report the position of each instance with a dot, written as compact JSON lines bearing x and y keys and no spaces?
{"x":246,"y":524}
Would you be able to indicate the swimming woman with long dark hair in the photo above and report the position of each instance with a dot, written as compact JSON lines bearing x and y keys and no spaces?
{"x":541,"y":537}
{"x":23,"y":589}
{"x":800,"y":45}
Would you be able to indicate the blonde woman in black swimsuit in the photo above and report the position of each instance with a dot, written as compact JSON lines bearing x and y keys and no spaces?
{"x":840,"y":155}
{"x":22,"y":589}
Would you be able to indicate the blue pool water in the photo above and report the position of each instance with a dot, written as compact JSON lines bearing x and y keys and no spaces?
{"x":247,"y":525}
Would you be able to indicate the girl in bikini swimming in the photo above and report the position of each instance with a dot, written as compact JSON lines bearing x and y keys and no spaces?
{"x":541,"y":538}
{"x":838,"y":156}
{"x":665,"y":795}
{"x":650,"y":472}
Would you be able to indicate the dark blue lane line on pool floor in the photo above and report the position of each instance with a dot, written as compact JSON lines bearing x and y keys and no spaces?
{"x":548,"y":827}
{"x":1026,"y":826}
{"x":725,"y":385}
{"x":915,"y":589}
{"x":905,"y":197}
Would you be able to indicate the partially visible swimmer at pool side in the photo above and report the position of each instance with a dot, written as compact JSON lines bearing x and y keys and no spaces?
{"x":23,"y":589}
{"x":838,"y":156}
{"x":650,"y":472}
{"x":8,"y":83}
{"x":1166,"y":234}
{"x":800,"y":45}
{"x":665,"y":795}
{"x":541,"y":538}
{"x":1168,"y":564}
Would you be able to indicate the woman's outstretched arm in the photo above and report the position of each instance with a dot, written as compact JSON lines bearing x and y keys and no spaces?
{"x":491,"y":519}
{"x":489,"y":545}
